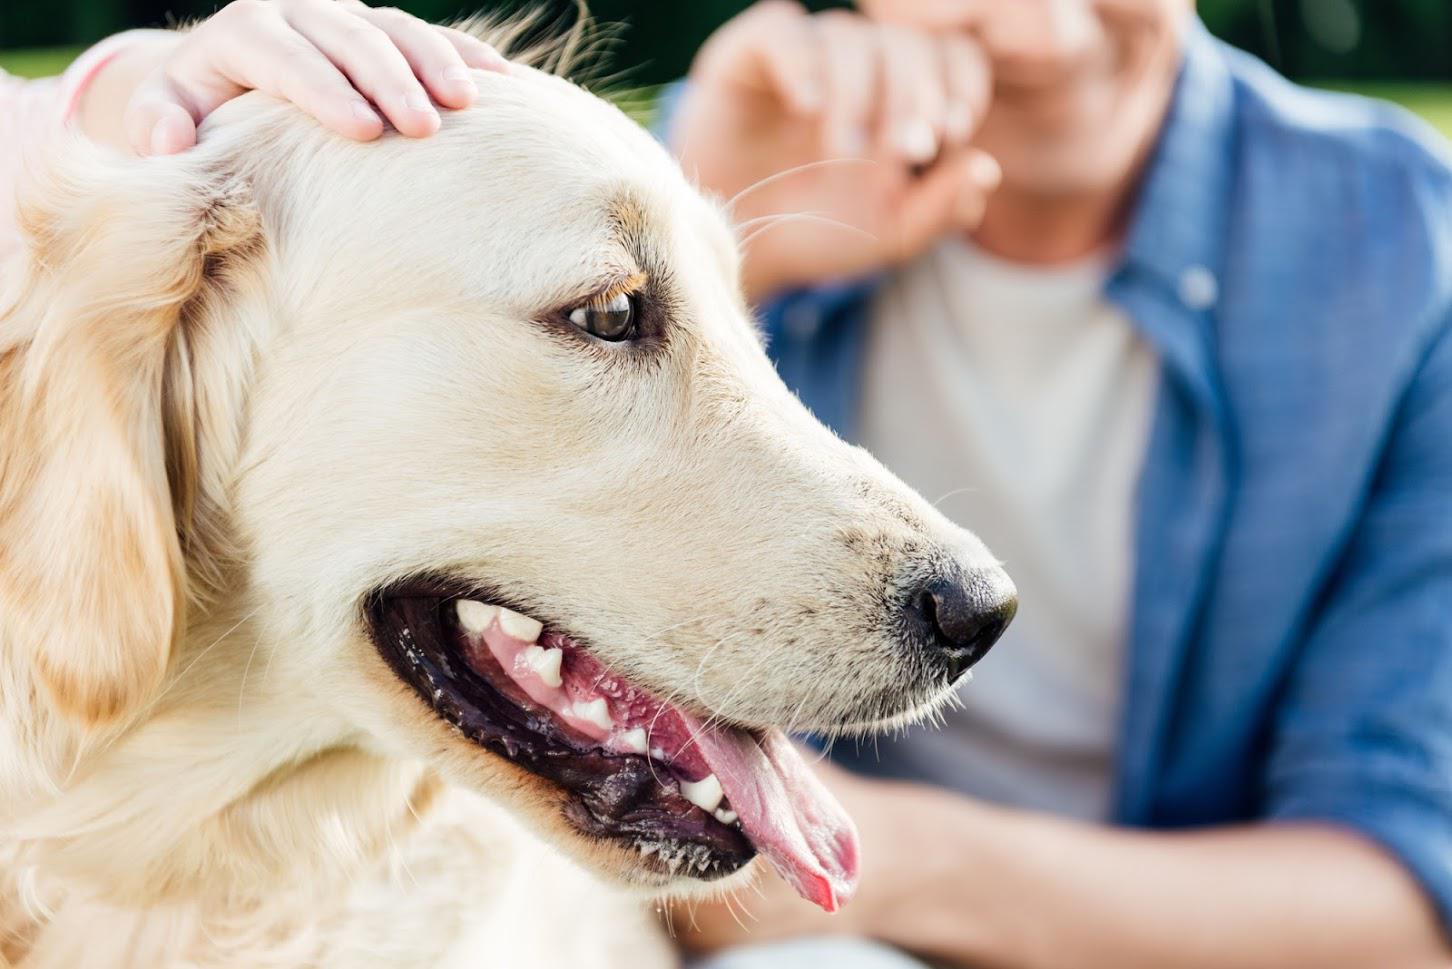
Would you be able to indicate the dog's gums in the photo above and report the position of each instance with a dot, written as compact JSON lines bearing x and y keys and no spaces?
{"x":694,"y":798}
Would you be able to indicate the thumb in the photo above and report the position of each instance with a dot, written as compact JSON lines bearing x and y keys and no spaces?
{"x":950,"y":197}
{"x":157,"y":122}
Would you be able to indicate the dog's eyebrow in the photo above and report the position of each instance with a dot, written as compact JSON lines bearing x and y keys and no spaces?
{"x":632,"y":283}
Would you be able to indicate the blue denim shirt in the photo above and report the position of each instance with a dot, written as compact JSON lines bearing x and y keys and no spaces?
{"x":1290,"y":259}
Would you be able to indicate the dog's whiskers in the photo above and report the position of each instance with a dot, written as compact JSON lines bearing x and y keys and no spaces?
{"x":242,"y":689}
{"x":966,"y":489}
{"x":751,"y":236}
{"x":151,"y":705}
{"x":761,"y":183}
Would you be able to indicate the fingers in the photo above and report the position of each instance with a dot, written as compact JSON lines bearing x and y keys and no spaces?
{"x":768,"y":49}
{"x":850,"y":62}
{"x":370,"y":59}
{"x":156,"y":122}
{"x":906,"y":92}
{"x":951,"y":196}
{"x":787,"y":56}
{"x":267,"y":53}
{"x":969,"y":87}
{"x":913,"y":95}
{"x":436,"y":58}
{"x":329,"y":58}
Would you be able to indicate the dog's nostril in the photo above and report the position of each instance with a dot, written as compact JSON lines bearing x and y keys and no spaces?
{"x":960,"y":620}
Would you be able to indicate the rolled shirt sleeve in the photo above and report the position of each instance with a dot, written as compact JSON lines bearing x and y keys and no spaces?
{"x":1364,"y":736}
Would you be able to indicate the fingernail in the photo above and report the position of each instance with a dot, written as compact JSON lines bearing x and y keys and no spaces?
{"x":457,"y":74}
{"x":418,"y":102}
{"x":985,"y":171}
{"x":363,"y":112}
{"x":167,"y":137}
{"x":916,"y":140}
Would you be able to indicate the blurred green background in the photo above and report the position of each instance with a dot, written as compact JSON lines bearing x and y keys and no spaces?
{"x":1400,"y":49}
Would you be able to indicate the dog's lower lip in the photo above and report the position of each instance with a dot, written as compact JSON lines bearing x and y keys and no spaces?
{"x":614,"y":791}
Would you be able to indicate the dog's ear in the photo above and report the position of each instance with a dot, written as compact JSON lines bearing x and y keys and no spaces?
{"x":92,"y":588}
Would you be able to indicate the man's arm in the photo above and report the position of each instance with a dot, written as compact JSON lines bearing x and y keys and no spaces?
{"x":1037,"y":891}
{"x":983,"y":887}
{"x":1357,"y":794}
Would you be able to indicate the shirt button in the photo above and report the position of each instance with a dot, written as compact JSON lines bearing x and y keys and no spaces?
{"x":803,"y":321}
{"x":1199,"y":289}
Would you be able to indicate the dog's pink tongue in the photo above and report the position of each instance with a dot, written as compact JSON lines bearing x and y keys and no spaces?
{"x":788,"y":814}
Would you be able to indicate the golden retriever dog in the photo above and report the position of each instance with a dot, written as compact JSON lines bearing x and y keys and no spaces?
{"x":410,"y":558}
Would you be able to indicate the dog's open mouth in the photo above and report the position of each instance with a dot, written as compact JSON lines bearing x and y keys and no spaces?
{"x":694,"y":798}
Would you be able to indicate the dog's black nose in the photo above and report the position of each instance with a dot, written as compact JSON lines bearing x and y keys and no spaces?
{"x":961,"y":618}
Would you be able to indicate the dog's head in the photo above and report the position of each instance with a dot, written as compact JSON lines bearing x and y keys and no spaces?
{"x":475,"y":438}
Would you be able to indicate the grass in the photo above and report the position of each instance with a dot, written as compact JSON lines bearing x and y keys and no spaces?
{"x":1431,"y":101}
{"x":37,"y":61}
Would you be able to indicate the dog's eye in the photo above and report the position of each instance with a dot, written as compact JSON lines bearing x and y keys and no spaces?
{"x":612,"y":319}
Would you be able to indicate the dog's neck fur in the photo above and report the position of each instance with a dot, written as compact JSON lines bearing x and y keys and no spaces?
{"x":128,"y":826}
{"x":178,"y":848}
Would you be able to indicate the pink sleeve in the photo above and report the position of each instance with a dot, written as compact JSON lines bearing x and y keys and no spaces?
{"x":32,"y":111}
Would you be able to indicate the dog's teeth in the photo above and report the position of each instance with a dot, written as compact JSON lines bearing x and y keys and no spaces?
{"x":519,"y":627}
{"x":705,"y":794}
{"x":474,"y":615}
{"x":596,"y":712}
{"x":546,"y":664}
{"x":725,"y":816}
{"x":635,"y":740}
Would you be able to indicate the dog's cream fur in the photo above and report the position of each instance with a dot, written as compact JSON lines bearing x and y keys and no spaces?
{"x":243,"y":387}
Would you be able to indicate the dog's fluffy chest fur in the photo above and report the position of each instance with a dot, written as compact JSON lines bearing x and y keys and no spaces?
{"x":464,"y":888}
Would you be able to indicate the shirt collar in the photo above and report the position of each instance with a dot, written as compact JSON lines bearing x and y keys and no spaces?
{"x":1180,"y":220}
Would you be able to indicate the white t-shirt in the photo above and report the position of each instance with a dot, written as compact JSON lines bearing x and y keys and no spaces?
{"x":1019,"y":400}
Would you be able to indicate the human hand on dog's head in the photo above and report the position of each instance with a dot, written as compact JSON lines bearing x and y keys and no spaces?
{"x":346,"y":64}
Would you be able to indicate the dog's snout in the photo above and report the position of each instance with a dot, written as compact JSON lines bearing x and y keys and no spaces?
{"x":959,"y":618}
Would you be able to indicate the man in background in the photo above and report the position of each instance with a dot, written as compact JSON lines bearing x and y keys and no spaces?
{"x":1171,"y":335}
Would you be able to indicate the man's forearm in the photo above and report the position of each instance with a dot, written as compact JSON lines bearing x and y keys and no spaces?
{"x":1027,"y":891}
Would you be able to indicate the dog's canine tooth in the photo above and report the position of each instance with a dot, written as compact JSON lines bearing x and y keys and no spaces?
{"x":546,"y":664}
{"x":475,"y":616}
{"x":725,"y":816}
{"x":519,"y":627}
{"x":705,"y":794}
{"x":635,"y":739}
{"x":595,"y":711}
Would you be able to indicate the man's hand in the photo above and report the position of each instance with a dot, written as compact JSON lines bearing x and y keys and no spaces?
{"x":346,"y":64}
{"x":902,"y":859}
{"x":873,"y":121}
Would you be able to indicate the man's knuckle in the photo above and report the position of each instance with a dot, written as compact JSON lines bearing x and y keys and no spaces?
{"x":297,"y":51}
{"x":358,"y":29}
